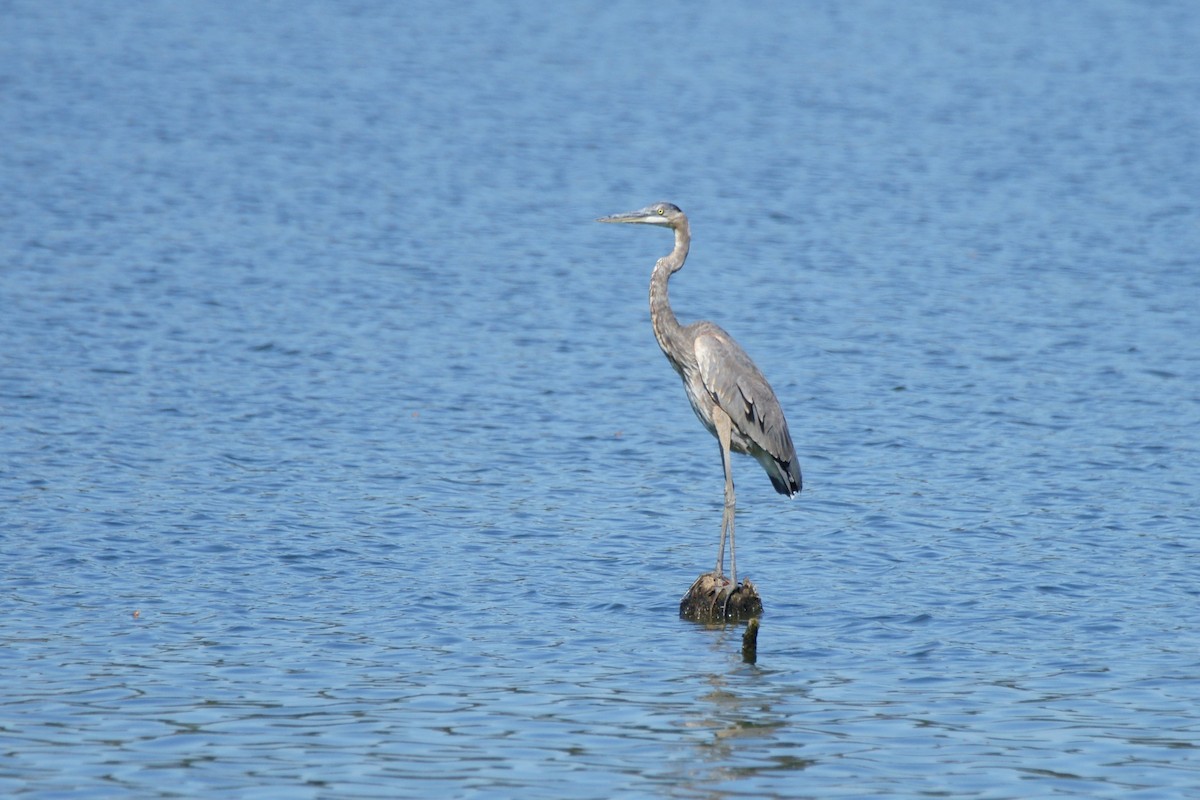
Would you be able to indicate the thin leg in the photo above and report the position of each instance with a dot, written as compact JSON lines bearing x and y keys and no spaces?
{"x":724,"y":426}
{"x":732,"y":549}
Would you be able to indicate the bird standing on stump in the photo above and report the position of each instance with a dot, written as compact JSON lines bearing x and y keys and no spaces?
{"x":727,"y":391}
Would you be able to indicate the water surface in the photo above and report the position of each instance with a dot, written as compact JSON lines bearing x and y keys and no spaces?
{"x":339,"y":460}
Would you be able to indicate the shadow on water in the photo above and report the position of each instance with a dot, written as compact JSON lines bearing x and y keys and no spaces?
{"x":739,"y":711}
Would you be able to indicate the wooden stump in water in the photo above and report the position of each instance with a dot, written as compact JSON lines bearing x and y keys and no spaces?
{"x":750,"y":641}
{"x":714,"y":599}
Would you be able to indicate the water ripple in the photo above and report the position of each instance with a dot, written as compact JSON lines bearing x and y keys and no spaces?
{"x":339,"y":459}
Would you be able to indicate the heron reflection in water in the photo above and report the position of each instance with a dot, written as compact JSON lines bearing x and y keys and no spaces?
{"x":727,"y":391}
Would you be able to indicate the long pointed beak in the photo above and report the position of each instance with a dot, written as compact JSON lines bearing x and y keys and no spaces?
{"x":628,"y":216}
{"x":648,"y":216}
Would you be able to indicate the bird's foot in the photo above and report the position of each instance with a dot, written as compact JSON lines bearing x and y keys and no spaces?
{"x":722,"y":579}
{"x":719,"y":579}
{"x":714,"y":583}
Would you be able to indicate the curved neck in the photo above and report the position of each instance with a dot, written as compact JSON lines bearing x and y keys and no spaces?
{"x":667,"y":329}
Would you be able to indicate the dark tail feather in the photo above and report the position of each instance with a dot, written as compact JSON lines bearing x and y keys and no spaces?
{"x":785,"y":476}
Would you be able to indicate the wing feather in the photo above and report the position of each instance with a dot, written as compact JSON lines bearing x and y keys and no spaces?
{"x":737,"y":385}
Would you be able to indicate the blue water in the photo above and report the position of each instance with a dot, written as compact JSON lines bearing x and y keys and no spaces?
{"x":337,"y":458}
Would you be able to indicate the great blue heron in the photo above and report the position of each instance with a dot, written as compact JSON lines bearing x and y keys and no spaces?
{"x":727,"y":391}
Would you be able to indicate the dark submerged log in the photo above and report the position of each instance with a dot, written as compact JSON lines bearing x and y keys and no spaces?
{"x":713,"y":599}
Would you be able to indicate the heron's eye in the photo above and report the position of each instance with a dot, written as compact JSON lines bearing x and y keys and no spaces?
{"x":662,"y":211}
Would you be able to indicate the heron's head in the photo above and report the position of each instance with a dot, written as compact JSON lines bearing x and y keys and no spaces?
{"x":666,"y":214}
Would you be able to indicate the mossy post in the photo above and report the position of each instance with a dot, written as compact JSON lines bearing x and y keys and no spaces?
{"x":750,"y":641}
{"x":714,"y":599}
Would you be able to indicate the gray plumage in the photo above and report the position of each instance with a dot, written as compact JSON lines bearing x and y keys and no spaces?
{"x":727,"y":391}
